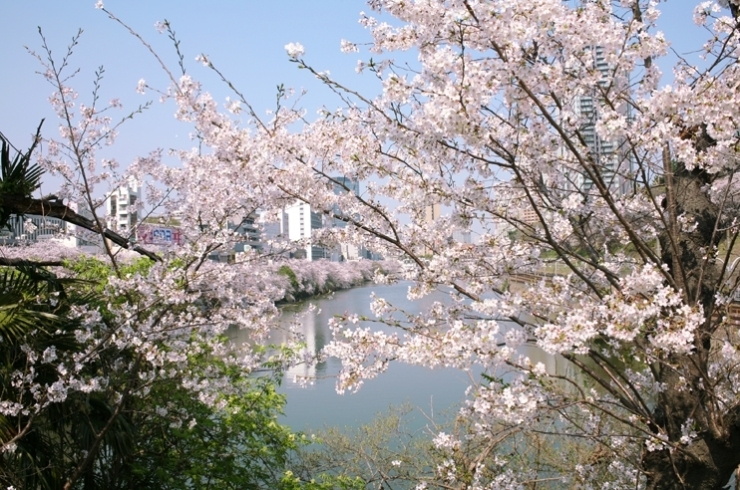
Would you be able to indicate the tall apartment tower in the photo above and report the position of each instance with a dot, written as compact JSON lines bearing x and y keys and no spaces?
{"x":343,"y":185}
{"x":347,"y":251}
{"x":120,"y":206}
{"x":610,"y":157}
{"x":432,"y":212}
{"x":296,"y":224}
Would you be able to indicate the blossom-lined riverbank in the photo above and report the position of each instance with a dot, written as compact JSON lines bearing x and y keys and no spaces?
{"x":301,"y":279}
{"x":291,"y":280}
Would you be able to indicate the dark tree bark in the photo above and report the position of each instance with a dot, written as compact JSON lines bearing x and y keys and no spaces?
{"x":56,"y":209}
{"x":708,"y":462}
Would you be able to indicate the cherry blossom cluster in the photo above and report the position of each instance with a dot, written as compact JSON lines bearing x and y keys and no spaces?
{"x":593,"y":291}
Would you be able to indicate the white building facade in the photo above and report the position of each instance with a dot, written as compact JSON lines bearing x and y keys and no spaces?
{"x":297,"y":222}
{"x":121,"y":208}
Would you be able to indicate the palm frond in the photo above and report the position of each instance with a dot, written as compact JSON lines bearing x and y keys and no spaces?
{"x":18,"y":177}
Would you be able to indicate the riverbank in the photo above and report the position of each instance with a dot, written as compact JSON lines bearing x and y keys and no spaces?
{"x":301,"y":279}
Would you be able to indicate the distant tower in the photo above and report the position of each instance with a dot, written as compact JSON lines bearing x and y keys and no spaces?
{"x":120,"y":206}
{"x":297,"y":222}
{"x":609,"y":156}
{"x":346,"y":251}
{"x":432,"y":212}
{"x":342,"y":186}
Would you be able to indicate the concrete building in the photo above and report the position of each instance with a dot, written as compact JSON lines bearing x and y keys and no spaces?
{"x":432,"y":212}
{"x":343,"y":185}
{"x":513,"y":208}
{"x":296,"y":224}
{"x":462,"y":236}
{"x":79,"y":237}
{"x":346,"y":251}
{"x":610,"y":157}
{"x":250,"y":231}
{"x":121,"y":208}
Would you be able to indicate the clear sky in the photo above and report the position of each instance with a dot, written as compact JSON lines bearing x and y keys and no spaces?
{"x":245,"y":39}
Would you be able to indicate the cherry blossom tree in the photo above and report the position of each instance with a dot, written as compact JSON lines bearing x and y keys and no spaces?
{"x":603,"y":203}
{"x":608,"y":198}
{"x":110,"y":363}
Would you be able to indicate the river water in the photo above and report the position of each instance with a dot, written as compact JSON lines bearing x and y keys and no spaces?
{"x":430,"y":391}
{"x":433,"y":392}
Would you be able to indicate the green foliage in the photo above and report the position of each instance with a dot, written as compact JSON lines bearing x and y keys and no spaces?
{"x":35,"y":317}
{"x":98,"y":272}
{"x":286,"y":271}
{"x":184,"y":443}
{"x":167,"y":439}
{"x":94,"y":275}
{"x":128,"y":432}
{"x":325,"y":482}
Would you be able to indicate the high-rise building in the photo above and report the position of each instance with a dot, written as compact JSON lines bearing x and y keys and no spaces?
{"x":432,"y":212}
{"x":345,"y":250}
{"x":613,"y":162}
{"x":343,"y":185}
{"x":513,"y":209}
{"x":121,"y":207}
{"x":297,"y":223}
{"x":248,"y":229}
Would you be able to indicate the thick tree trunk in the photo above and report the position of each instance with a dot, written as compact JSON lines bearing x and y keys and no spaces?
{"x":708,"y":462}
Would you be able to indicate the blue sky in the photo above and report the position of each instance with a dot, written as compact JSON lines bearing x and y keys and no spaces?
{"x":245,"y":39}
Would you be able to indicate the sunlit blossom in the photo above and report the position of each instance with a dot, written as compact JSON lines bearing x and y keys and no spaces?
{"x":295,"y":50}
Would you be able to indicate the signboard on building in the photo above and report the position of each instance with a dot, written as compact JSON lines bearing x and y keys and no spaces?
{"x":159,"y":235}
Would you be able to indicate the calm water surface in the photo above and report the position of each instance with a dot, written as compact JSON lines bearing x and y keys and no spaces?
{"x":434,"y":392}
{"x":431,"y":390}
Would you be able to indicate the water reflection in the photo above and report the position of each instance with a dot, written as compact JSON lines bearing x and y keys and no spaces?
{"x":433,"y":391}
